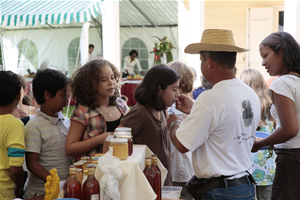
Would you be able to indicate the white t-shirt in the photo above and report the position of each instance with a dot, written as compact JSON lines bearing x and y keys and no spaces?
{"x":129,"y":65}
{"x":288,"y":86}
{"x":182,"y":169}
{"x":220,"y":129}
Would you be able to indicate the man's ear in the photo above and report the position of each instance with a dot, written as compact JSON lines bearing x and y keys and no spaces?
{"x":210,"y":63}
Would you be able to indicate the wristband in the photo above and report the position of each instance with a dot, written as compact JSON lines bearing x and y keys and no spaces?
{"x":264,"y":143}
{"x":173,"y":122}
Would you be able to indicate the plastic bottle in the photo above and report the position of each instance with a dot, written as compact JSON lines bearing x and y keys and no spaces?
{"x":157,"y":176}
{"x":73,"y":186}
{"x":149,"y":173}
{"x":91,"y":187}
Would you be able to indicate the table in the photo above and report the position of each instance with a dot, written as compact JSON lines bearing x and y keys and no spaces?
{"x":133,"y":185}
{"x":128,"y":88}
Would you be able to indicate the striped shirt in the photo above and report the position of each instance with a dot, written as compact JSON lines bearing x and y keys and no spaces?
{"x":47,"y":136}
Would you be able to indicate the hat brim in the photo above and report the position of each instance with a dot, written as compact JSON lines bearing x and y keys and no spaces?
{"x":196,"y":48}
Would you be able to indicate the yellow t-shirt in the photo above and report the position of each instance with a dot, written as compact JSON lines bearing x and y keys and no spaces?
{"x":12,"y":150}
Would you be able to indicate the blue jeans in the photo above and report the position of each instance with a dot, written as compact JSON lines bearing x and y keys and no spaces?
{"x":239,"y":192}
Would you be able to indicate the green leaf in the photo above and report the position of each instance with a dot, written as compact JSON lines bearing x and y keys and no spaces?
{"x":169,"y":56}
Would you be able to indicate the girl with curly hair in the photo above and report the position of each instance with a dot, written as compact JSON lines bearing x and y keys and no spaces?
{"x":98,"y":110}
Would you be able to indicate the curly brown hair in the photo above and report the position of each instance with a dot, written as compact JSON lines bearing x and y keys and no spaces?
{"x":84,"y":83}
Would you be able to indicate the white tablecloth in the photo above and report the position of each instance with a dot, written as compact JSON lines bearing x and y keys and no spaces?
{"x":133,"y":185}
{"x":131,"y":81}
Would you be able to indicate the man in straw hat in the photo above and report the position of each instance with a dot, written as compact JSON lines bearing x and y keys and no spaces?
{"x":221,"y":125}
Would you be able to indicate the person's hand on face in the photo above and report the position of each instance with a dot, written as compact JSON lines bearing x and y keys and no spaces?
{"x":184,"y":104}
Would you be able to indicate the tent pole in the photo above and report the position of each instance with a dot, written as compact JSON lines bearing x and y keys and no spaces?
{"x":70,"y":96}
{"x":2,"y":52}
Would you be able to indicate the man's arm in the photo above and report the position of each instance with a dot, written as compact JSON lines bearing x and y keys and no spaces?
{"x":33,"y":165}
{"x":17,"y":176}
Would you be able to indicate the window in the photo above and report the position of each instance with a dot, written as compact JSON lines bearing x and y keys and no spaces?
{"x":28,"y":57}
{"x":140,"y":47}
{"x":72,"y":56}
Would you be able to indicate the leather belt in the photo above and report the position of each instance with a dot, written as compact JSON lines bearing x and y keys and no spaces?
{"x":234,"y":182}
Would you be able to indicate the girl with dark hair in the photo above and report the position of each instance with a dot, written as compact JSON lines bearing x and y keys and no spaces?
{"x":98,"y":112}
{"x":281,"y":57}
{"x":148,"y":118}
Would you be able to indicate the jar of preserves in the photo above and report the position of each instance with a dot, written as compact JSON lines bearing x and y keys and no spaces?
{"x":120,"y":148}
{"x":128,"y":136}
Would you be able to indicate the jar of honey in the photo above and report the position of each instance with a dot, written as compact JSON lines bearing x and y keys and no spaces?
{"x":128,"y":136}
{"x":120,"y":148}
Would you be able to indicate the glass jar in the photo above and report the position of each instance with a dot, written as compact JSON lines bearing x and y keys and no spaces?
{"x":73,"y":186}
{"x":157,"y":176}
{"x":120,"y":148}
{"x":128,"y":136}
{"x":91,"y":187}
{"x":149,"y":173}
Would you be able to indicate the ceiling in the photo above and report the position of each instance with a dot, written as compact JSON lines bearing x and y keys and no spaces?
{"x":133,"y":13}
{"x":153,"y":13}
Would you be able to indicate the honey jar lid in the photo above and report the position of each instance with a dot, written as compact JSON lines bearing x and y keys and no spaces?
{"x":118,"y":140}
{"x":123,"y":129}
{"x":125,"y":134}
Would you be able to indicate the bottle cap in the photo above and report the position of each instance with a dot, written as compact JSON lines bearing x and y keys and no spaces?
{"x":85,"y":158}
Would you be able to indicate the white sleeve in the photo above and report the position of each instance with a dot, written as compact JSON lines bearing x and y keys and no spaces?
{"x":138,"y":65}
{"x":195,"y":129}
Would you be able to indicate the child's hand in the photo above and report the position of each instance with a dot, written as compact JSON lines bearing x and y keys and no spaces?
{"x":18,"y":113}
{"x":106,"y":143}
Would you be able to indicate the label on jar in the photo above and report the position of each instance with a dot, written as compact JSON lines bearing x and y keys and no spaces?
{"x":95,"y":197}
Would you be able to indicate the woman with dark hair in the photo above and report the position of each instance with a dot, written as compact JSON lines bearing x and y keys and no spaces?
{"x":130,"y":62}
{"x":281,"y":57}
{"x":148,"y":118}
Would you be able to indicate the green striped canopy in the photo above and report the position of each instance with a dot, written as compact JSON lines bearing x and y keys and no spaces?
{"x":40,"y":12}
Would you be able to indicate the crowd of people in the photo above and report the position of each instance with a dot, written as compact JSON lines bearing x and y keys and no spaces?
{"x":205,"y":143}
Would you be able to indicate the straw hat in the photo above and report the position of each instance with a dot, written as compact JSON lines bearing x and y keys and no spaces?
{"x":215,"y":40}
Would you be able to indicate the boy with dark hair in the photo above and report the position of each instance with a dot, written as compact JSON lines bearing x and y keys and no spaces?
{"x":12,"y":144}
{"x":46,"y":132}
